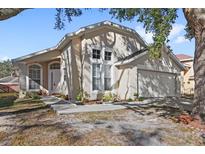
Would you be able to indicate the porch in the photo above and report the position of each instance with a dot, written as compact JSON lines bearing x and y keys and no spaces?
{"x":44,"y":76}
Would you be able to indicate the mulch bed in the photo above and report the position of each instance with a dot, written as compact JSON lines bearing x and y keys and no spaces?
{"x":194,"y":122}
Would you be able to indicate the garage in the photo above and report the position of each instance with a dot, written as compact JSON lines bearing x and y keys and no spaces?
{"x":155,"y":83}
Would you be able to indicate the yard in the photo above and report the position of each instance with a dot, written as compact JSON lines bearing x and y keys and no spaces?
{"x":33,"y":123}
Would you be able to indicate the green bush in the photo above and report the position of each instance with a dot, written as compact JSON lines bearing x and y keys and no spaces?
{"x":141,"y":99}
{"x":79,"y":96}
{"x":130,"y":100}
{"x":33,"y":95}
{"x":82,"y":96}
{"x":107,"y":97}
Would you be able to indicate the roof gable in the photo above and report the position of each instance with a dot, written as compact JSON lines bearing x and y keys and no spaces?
{"x":182,"y":57}
{"x":140,"y":53}
{"x":68,"y":37}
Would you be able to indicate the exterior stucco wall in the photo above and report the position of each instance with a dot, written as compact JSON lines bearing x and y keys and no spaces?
{"x":127,"y":82}
{"x":71,"y":61}
{"x":22,"y":71}
{"x":188,"y":79}
{"x":76,"y":64}
{"x":121,"y":45}
{"x":24,"y":77}
{"x":164,"y":64}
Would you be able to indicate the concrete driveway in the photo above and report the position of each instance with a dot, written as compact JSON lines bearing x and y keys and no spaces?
{"x":66,"y":107}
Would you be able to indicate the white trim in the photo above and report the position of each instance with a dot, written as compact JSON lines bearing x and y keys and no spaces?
{"x":49,"y":64}
{"x":184,"y":60}
{"x":125,"y":62}
{"x":142,"y":67}
{"x":27,"y":77}
{"x":102,"y":62}
{"x":80,"y":32}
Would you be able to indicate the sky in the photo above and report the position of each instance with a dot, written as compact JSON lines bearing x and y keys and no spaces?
{"x":33,"y":30}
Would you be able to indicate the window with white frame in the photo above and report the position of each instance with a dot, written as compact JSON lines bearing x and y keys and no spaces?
{"x":96,"y":76}
{"x":108,"y":55}
{"x":34,"y":76}
{"x":101,"y":69}
{"x":107,"y":77}
{"x":96,"y":54}
{"x":55,"y":66}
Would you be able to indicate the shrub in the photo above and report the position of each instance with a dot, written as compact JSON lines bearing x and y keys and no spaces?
{"x":33,"y":95}
{"x":79,"y":96}
{"x":141,"y":99}
{"x":110,"y":97}
{"x":107,"y":97}
{"x":130,"y":100}
{"x":82,"y":96}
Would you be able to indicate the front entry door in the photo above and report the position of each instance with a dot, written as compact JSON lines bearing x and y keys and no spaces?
{"x":54,"y":80}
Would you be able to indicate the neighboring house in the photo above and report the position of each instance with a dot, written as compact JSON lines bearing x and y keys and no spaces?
{"x":9,"y":84}
{"x":187,"y":74}
{"x":100,"y":58}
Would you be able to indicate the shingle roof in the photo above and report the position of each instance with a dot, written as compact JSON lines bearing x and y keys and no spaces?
{"x":183,"y":56}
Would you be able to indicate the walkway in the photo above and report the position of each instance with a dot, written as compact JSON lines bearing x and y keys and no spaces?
{"x":65,"y":107}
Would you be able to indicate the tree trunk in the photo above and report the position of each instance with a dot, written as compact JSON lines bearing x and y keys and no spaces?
{"x":196,"y":21}
{"x":6,"y":13}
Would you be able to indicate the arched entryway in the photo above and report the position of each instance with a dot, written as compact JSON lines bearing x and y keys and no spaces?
{"x":53,"y":77}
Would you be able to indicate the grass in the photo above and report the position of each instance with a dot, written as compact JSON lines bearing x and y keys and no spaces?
{"x":36,"y":124}
{"x":92,"y":117}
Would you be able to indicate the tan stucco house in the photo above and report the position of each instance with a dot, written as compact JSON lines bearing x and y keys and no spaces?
{"x":100,"y":58}
{"x":187,"y":74}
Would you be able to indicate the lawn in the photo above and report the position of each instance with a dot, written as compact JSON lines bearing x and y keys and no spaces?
{"x":33,"y":123}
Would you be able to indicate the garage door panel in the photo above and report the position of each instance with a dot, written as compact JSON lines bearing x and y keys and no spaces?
{"x":155,"y":84}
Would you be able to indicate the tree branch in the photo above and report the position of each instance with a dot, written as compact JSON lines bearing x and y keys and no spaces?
{"x":6,"y":13}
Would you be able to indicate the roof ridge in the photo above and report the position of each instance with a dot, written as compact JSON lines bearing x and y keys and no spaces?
{"x":77,"y":32}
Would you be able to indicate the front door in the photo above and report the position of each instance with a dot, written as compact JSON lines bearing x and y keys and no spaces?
{"x":54,"y":78}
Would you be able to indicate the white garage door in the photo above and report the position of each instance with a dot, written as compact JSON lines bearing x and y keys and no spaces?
{"x":156,"y":84}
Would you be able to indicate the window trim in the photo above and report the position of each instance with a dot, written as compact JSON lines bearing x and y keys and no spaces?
{"x":95,"y":60}
{"x":102,"y":62}
{"x":110,"y":57}
{"x":41,"y":77}
{"x":49,"y":64}
{"x":100,"y":89}
{"x":107,"y":78}
{"x":97,"y":54}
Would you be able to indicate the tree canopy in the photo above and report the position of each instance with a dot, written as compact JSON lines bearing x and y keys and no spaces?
{"x":6,"y":68}
{"x":158,"y":21}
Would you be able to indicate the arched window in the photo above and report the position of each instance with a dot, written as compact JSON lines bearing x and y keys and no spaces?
{"x":34,"y":76}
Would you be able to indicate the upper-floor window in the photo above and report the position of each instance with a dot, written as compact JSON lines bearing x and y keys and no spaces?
{"x":96,"y":54}
{"x":108,"y":55}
